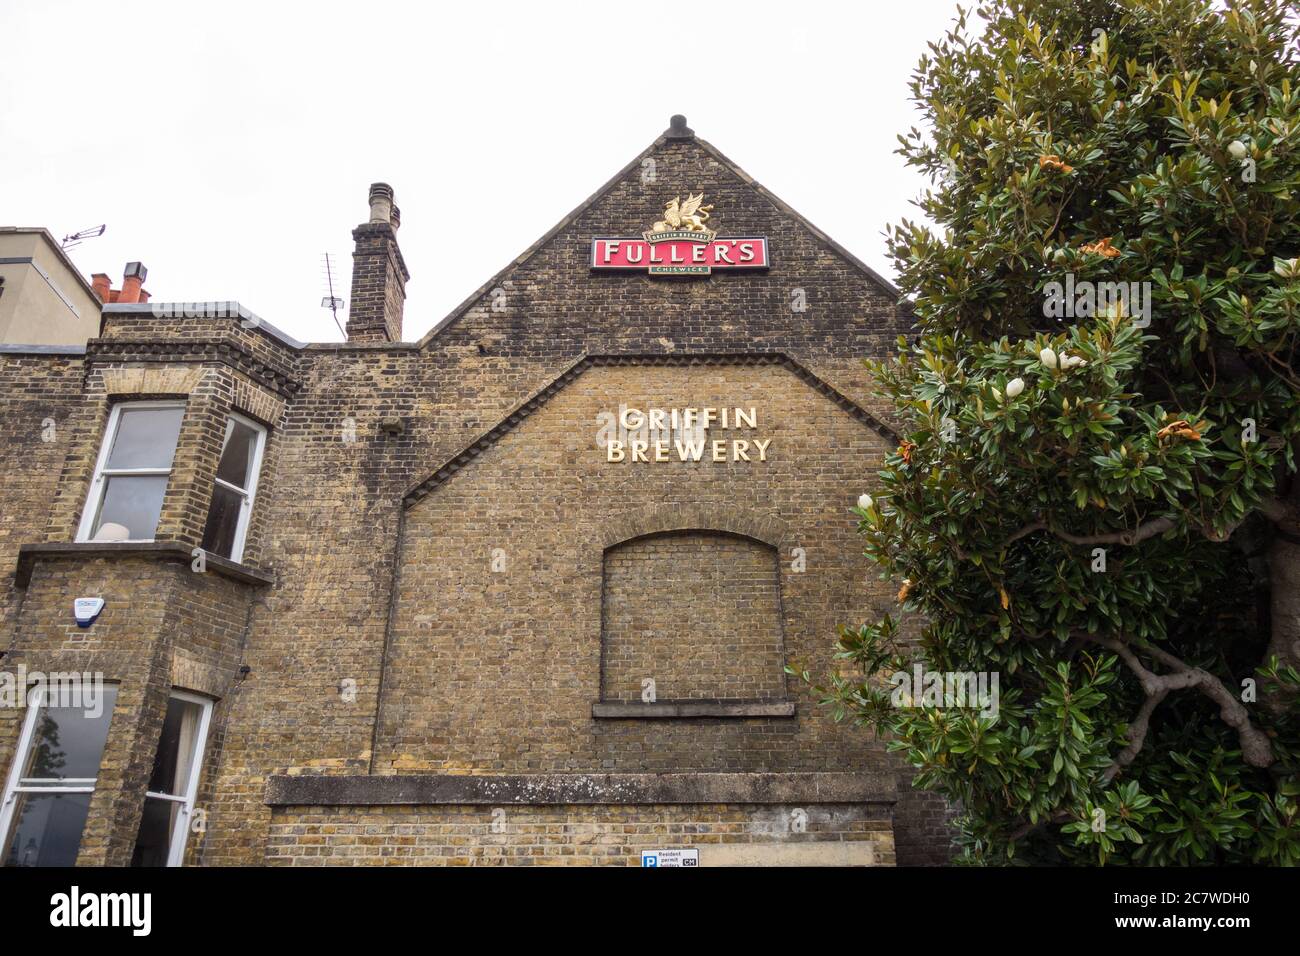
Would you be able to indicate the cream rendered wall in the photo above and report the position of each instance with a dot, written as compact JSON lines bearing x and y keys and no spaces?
{"x":45,"y":301}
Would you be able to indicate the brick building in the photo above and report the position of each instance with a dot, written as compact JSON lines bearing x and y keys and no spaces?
{"x":521,"y":591}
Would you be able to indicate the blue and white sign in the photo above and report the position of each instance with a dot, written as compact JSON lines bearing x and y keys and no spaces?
{"x":657,"y":858}
{"x":85,"y":610}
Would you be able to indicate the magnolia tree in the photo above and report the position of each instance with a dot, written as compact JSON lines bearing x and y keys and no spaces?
{"x":1095,"y":503}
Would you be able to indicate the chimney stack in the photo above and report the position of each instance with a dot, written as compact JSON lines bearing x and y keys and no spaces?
{"x":379,"y":273}
{"x":132,"y":285}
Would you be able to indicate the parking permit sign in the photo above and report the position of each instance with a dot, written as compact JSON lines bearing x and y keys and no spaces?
{"x":690,"y":857}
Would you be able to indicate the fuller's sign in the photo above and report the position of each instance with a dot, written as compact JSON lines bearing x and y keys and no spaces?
{"x":680,"y":244}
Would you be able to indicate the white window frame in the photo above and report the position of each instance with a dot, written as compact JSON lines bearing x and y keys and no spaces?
{"x":249,"y":493}
{"x":99,"y":483}
{"x":16,"y":783}
{"x":181,"y":828}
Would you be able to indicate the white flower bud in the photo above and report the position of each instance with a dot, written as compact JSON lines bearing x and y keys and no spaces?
{"x":865,"y":502}
{"x":1071,"y":361}
{"x":1015,"y":387}
{"x":1238,"y":149}
{"x":1047,"y":357}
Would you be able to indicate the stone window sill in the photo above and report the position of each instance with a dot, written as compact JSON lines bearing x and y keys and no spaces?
{"x":29,"y":554}
{"x":636,"y":710}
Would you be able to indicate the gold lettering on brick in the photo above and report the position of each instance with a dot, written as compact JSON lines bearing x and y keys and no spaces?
{"x":682,"y":435}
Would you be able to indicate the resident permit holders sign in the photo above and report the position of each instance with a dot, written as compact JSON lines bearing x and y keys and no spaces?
{"x":680,"y":244}
{"x":659,"y":858}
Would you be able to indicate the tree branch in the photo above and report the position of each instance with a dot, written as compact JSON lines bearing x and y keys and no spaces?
{"x":1274,"y":509}
{"x":1057,"y":816}
{"x":1137,"y":735}
{"x":1277,"y":511}
{"x":1148,"y":529}
{"x":1026,"y":531}
{"x":1143,"y":531}
{"x":1256,"y":749}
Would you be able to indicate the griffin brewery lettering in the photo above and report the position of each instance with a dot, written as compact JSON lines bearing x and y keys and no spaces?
{"x":682,"y":434}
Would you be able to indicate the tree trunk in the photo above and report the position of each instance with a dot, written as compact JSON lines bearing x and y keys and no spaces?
{"x":1284,"y":600}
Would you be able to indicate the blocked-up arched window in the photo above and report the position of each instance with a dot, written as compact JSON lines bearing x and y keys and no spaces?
{"x":698,"y":613}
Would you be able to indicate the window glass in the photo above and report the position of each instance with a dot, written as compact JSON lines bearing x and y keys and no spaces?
{"x":131,"y":473}
{"x":48,"y":793}
{"x":233,"y":489}
{"x":157,"y":823}
{"x":171,"y":766}
{"x":146,"y":437}
{"x":67,"y":742}
{"x":238,"y":455}
{"x":223,"y":521}
{"x":164,"y":823}
{"x":47,"y":828}
{"x":133,"y":501}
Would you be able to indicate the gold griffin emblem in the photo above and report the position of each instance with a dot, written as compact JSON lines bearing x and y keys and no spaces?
{"x":684,"y":217}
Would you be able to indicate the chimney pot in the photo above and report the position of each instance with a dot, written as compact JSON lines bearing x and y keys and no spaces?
{"x":101,"y":284}
{"x":677,"y":128}
{"x":381,"y":202}
{"x":132,"y":282}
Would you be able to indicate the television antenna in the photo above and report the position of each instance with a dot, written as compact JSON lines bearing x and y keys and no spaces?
{"x":76,"y":238}
{"x":331,"y":301}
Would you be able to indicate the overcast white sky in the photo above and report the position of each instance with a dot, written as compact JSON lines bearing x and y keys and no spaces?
{"x":227,"y":146}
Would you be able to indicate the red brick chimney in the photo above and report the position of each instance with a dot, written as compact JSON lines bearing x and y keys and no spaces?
{"x":132,"y":285}
{"x":379,"y":273}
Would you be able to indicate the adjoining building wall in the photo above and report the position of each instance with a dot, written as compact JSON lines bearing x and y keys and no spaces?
{"x":44,"y":300}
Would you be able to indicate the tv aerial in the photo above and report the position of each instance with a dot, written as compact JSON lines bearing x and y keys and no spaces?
{"x":331,"y":301}
{"x":76,"y":238}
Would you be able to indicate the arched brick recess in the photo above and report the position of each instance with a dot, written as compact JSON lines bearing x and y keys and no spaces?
{"x":696,"y":611}
{"x":767,"y":682}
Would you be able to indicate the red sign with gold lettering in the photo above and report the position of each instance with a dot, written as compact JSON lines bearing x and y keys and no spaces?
{"x":676,"y":254}
{"x":680,"y":244}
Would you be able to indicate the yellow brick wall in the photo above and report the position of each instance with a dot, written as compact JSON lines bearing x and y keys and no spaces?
{"x":724,"y":834}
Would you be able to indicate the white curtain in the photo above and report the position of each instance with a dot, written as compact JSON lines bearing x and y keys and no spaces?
{"x":190,"y":713}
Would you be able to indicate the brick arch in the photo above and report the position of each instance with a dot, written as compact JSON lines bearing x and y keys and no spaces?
{"x":767,"y":529}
